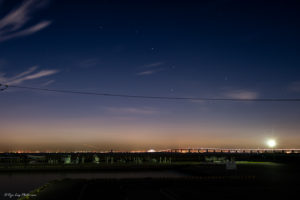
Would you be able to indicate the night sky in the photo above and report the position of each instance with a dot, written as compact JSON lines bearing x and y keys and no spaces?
{"x":211,"y":49}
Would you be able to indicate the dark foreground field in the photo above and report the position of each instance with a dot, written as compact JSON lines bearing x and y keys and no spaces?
{"x":251,"y":180}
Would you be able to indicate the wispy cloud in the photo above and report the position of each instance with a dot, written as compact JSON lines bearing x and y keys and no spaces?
{"x":29,"y":71}
{"x":48,"y":82}
{"x":155,"y":68}
{"x":295,"y":86}
{"x":241,"y":94}
{"x":149,"y":72}
{"x":12,"y":24}
{"x":132,"y":110}
{"x":29,"y":74}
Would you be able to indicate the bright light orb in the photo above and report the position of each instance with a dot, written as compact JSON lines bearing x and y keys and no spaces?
{"x":151,"y":151}
{"x":271,"y":143}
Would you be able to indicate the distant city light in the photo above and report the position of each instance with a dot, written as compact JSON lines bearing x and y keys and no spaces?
{"x":151,"y":151}
{"x":271,"y":143}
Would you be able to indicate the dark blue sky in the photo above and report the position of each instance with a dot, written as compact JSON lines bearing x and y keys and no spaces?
{"x":217,"y":49}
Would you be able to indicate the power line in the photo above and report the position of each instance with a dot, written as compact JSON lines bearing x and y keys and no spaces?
{"x":154,"y":97}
